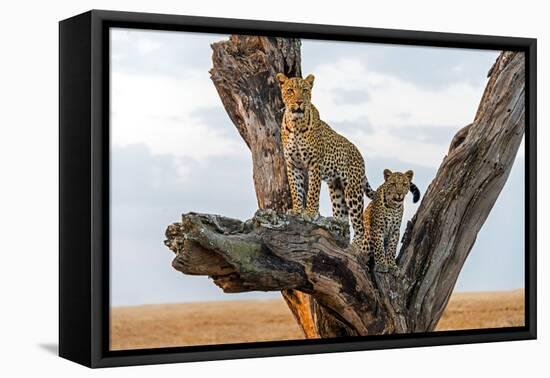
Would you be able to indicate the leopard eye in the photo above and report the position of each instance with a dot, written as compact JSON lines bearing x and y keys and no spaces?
{"x":289,"y":91}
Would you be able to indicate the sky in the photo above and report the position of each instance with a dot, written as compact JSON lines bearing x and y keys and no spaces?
{"x":175,"y":150}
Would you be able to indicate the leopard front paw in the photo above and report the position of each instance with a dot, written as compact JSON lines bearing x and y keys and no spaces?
{"x":294,"y":211}
{"x":394,"y":269}
{"x":310,"y":215}
{"x":353,"y":250}
{"x":381,"y":268}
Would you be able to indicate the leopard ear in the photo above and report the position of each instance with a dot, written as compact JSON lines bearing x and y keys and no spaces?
{"x":409,"y":174}
{"x":387,"y":174}
{"x":309,"y":79}
{"x":281,"y":78}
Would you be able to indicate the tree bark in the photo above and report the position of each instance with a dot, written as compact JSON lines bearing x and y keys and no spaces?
{"x":278,"y":252}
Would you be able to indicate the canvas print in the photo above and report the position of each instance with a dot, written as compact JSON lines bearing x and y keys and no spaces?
{"x":269,"y":188}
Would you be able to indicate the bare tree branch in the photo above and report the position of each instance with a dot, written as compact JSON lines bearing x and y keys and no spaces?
{"x":463,"y":193}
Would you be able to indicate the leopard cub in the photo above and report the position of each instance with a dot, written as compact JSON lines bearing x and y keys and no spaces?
{"x":383,"y":217}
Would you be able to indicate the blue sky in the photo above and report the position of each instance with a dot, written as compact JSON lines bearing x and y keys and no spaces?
{"x":174,"y":149}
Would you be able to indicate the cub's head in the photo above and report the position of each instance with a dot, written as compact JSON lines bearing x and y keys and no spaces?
{"x":296,"y":93}
{"x":397,"y":185}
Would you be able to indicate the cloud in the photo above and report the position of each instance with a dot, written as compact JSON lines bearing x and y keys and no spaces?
{"x":391,"y":102}
{"x":146,"y":196}
{"x":147,"y":46}
{"x":162,"y":97}
{"x":219,"y":184}
{"x":401,"y":116}
{"x":385,"y":144}
{"x":163,"y":52}
{"x":426,"y":67}
{"x":350,"y":96}
{"x":165,"y":114}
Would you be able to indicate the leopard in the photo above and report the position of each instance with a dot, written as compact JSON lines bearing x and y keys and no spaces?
{"x":314,"y":152}
{"x":382,"y":219}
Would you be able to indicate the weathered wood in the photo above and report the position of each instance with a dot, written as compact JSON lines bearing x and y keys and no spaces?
{"x":274,"y":251}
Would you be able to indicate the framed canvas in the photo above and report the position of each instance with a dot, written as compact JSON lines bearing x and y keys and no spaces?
{"x":235,"y":188}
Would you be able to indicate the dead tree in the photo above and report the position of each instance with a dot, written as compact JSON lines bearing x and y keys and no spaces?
{"x":329,"y":291}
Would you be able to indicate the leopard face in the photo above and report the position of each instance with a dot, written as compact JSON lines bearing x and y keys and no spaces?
{"x":296,"y":94}
{"x":396,"y":187}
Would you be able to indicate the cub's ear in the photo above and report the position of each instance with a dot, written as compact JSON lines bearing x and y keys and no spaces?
{"x":387,"y":174}
{"x":281,"y":78}
{"x":309,"y":79}
{"x":409,"y":174}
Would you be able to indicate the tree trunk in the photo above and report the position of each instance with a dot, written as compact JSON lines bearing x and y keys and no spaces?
{"x":274,"y":251}
{"x":243,"y":72}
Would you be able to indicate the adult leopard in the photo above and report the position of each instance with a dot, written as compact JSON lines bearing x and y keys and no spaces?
{"x":313,"y":152}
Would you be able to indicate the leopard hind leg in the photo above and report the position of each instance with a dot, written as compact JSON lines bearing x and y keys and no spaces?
{"x":339,"y":208}
{"x":353,"y":193}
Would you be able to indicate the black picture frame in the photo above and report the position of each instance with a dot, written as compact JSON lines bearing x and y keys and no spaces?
{"x":84,"y":187}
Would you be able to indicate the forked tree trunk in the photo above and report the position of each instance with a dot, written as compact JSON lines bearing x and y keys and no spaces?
{"x":279,"y":252}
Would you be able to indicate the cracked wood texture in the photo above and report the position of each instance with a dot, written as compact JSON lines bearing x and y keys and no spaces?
{"x":277,"y":252}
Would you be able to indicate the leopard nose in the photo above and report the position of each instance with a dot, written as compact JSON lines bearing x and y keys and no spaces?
{"x":299,"y":102}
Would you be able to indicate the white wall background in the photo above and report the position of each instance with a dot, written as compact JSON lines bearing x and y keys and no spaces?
{"x":28,"y":191}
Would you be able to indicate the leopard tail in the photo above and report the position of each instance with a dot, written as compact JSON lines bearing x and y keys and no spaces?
{"x":415,"y":191}
{"x":367,"y":188}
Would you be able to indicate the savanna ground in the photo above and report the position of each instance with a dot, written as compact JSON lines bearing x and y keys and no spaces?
{"x":167,"y":325}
